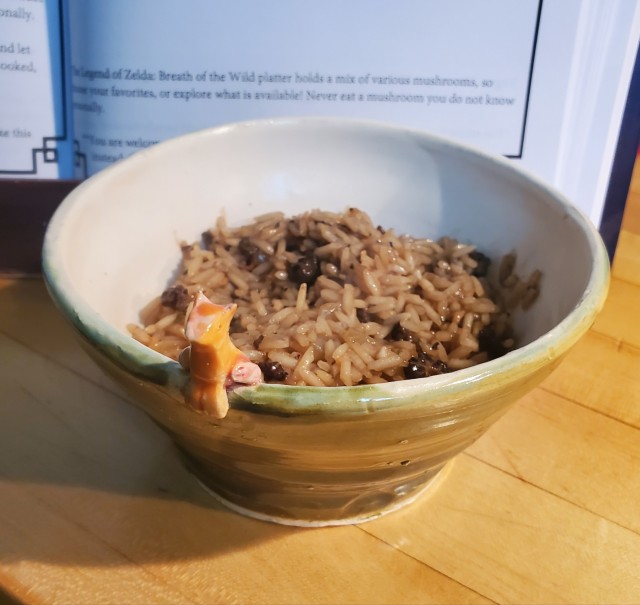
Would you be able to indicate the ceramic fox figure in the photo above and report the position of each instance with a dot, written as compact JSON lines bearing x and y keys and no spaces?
{"x":216,"y":364}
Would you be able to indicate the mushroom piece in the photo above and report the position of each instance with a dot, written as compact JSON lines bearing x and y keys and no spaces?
{"x":215,"y":363}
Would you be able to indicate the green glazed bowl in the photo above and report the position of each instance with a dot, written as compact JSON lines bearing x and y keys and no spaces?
{"x":305,"y":455}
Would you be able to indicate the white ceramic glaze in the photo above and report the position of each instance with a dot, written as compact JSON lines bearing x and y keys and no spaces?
{"x":113,"y":245}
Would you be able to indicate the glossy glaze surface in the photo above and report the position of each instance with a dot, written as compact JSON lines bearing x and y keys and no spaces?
{"x":309,"y":454}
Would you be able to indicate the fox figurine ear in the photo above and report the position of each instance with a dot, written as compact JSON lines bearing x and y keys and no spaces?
{"x":215,"y":363}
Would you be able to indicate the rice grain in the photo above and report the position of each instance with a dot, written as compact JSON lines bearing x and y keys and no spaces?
{"x":332,"y":320}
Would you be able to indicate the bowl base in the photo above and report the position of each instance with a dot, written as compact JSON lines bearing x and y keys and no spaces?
{"x":434,"y":482}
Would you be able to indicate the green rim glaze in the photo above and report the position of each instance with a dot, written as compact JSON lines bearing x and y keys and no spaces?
{"x":445,"y":390}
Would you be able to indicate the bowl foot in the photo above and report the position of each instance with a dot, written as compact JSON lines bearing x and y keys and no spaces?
{"x":433,"y":483}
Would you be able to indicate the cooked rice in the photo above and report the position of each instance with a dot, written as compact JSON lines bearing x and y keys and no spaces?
{"x":329,"y":299}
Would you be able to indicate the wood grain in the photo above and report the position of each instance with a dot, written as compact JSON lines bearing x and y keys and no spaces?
{"x":602,"y":374}
{"x":554,"y":444}
{"x":626,"y":263}
{"x":516,"y":543}
{"x":619,"y":319}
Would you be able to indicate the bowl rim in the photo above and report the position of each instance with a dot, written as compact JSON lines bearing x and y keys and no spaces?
{"x":441,"y":390}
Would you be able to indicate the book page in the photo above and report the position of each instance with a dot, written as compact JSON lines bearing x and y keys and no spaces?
{"x":34,"y":134}
{"x":451,"y":68}
{"x":542,"y":82}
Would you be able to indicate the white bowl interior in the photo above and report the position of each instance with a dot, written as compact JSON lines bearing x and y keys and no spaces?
{"x":117,"y":237}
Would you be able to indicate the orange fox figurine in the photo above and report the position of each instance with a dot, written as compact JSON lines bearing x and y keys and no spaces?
{"x":216,"y":364}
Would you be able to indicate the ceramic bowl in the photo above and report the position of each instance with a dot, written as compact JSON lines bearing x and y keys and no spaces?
{"x":305,"y":455}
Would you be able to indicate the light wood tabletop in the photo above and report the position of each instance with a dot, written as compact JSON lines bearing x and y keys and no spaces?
{"x":97,"y":507}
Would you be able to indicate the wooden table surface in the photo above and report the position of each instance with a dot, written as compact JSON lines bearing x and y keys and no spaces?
{"x":96,"y":507}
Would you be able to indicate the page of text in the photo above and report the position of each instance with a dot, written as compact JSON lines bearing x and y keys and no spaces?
{"x":33,"y":125}
{"x":144,"y":71}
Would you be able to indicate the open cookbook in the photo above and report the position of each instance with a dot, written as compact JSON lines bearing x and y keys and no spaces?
{"x":85,"y":83}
